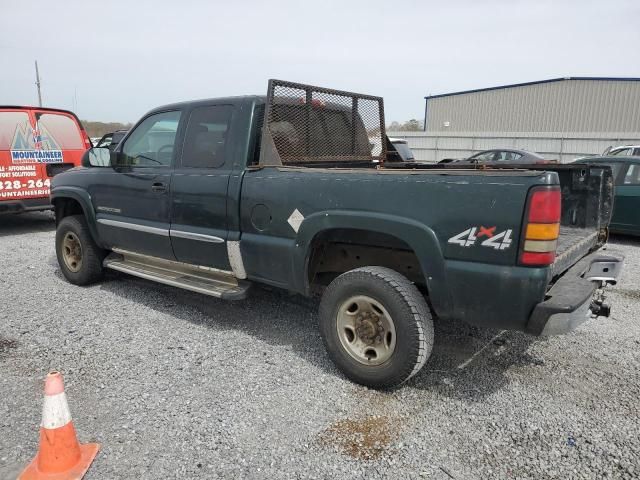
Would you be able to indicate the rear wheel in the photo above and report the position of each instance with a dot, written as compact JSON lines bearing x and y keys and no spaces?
{"x":376,"y":326}
{"x":79,"y":257}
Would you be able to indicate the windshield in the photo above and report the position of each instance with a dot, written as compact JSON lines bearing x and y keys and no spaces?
{"x":117,"y":136}
{"x":620,"y":151}
{"x":104,"y":141}
{"x":405,"y":152}
{"x":615,"y":168}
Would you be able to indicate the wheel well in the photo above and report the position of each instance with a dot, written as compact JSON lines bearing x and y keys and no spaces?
{"x":337,"y":251}
{"x":66,"y":206}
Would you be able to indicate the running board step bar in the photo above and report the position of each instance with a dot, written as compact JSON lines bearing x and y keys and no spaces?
{"x":206,"y":280}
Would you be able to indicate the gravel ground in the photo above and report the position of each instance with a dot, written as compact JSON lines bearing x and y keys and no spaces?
{"x":173,"y":384}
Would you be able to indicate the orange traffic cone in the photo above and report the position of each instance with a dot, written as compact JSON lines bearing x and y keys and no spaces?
{"x":60,"y":456}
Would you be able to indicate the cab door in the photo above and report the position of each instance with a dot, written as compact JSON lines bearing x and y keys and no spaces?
{"x":132,"y":201}
{"x":199,"y":222}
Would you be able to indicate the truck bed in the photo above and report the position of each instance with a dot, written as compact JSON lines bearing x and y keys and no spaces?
{"x":587,"y":203}
{"x":573,"y":244}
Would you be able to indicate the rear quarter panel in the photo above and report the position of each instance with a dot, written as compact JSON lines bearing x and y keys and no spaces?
{"x":425,"y":209}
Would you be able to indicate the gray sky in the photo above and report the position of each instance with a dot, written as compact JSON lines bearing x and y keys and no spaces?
{"x":120,"y":59}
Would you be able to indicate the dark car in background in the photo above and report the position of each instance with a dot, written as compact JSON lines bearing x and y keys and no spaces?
{"x":499,"y":156}
{"x":626,"y":204}
{"x":403,"y":149}
{"x":400,"y":145}
{"x":111,"y":140}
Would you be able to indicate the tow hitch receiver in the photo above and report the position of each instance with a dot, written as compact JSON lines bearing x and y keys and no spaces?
{"x":598,"y":308}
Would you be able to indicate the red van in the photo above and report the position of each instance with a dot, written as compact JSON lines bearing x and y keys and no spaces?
{"x":35,"y":144}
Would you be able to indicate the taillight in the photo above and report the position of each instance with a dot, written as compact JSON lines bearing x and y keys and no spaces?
{"x":542,"y":227}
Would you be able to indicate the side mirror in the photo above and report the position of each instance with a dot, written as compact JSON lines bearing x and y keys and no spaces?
{"x":97,"y":157}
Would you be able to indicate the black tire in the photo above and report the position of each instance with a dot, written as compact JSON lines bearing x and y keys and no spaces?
{"x":90,"y":269}
{"x":410,"y":315}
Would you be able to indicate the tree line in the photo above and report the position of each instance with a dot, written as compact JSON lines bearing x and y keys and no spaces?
{"x":98,"y":129}
{"x":412,"y":125}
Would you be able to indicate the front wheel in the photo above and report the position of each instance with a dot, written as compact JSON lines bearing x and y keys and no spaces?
{"x":376,"y":326}
{"x":79,"y":257}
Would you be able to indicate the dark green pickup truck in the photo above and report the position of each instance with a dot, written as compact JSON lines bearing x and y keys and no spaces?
{"x":302,"y":190}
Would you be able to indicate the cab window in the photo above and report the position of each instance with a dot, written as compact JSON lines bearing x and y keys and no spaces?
{"x":152,"y":142}
{"x":484,"y":157}
{"x":632,"y":176}
{"x":616,"y":168}
{"x":206,"y":137}
{"x":331,"y":132}
{"x":505,"y":156}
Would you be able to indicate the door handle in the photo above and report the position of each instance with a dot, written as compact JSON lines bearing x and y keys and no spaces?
{"x":159,"y":187}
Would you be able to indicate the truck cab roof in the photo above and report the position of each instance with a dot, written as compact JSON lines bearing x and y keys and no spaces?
{"x":208,"y":101}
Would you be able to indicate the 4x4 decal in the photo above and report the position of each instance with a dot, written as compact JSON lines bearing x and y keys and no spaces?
{"x":468,"y":238}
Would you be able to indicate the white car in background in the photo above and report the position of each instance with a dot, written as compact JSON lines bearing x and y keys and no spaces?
{"x":621,"y":151}
{"x":624,"y":150}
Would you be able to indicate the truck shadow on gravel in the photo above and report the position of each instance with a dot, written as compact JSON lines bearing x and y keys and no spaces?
{"x":25,"y":223}
{"x":467,"y":362}
{"x":470,"y":363}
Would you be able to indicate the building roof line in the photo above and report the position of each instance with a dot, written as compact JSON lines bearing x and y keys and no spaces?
{"x":537,"y":82}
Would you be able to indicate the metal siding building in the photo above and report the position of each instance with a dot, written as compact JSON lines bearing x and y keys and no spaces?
{"x":563,"y":105}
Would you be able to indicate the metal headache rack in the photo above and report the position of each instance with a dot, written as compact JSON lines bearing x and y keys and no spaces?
{"x":313,"y":125}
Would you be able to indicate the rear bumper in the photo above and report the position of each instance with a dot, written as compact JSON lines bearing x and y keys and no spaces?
{"x":27,"y":205}
{"x":576,"y":295}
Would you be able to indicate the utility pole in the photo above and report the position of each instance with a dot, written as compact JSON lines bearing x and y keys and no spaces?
{"x":38,"y":85}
